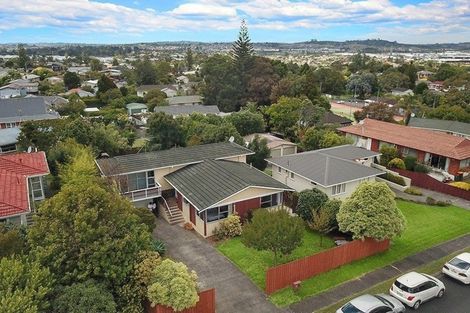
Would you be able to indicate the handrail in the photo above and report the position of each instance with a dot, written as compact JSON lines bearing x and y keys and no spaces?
{"x":167,"y":207}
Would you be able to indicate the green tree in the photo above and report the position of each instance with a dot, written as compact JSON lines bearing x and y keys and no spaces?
{"x":332,"y":81}
{"x":393,"y":79}
{"x":74,"y":106}
{"x":145,"y":72}
{"x":371,"y":211}
{"x":242,"y":48}
{"x":154,"y":98}
{"x":262,"y":152}
{"x":332,"y":139}
{"x":95,"y":65}
{"x":376,"y":111}
{"x":260,"y":79}
{"x":105,"y":83}
{"x":247,"y":122}
{"x":189,"y":59}
{"x":23,"y":60}
{"x":86,"y":297}
{"x":446,"y":71}
{"x":109,"y":95}
{"x":164,"y":131}
{"x":12,"y":239}
{"x":321,"y":223}
{"x":284,"y":115}
{"x":109,"y":138}
{"x":332,"y":206}
{"x":173,"y":285}
{"x":71,"y":80}
{"x":388,"y":153}
{"x":361,"y":84}
{"x":276,"y":231}
{"x":24,"y":286}
{"x":420,"y":88}
{"x":310,"y":200}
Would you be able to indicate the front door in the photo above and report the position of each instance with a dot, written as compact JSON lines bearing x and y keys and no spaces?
{"x":192,"y":214}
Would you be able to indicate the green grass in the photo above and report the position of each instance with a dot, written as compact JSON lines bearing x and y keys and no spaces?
{"x":255,"y":263}
{"x":426,"y":227}
{"x":430,"y":268}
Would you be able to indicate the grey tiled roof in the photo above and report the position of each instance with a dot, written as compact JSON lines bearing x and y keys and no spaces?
{"x":444,"y":125}
{"x":164,"y":158}
{"x":206,"y":184}
{"x":184,"y":100}
{"x":24,"y":109}
{"x":330,"y":166}
{"x":188,"y":109}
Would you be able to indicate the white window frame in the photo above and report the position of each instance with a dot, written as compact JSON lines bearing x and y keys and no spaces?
{"x":33,"y":189}
{"x":279,"y":169}
{"x":338,"y":189}
{"x":262,"y":203}
{"x":292,"y":175}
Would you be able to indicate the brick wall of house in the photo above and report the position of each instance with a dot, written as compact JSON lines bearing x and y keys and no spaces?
{"x":375,"y":145}
{"x":243,"y":207}
{"x":454,"y":166}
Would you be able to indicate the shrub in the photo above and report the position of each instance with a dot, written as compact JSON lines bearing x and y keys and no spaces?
{"x":397,"y":163}
{"x":413,"y":191}
{"x":461,"y":184}
{"x":443,"y":203}
{"x":230,"y":227}
{"x":394,"y":179}
{"x":410,"y":162}
{"x":430,"y":201}
{"x":159,"y":246}
{"x":421,"y":168}
{"x":309,"y":200}
{"x":332,"y":207}
{"x":388,"y":153}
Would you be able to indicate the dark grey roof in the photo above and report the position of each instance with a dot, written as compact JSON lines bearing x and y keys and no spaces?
{"x":329,"y":166}
{"x":188,"y":109}
{"x":184,"y":100}
{"x":444,"y":125}
{"x":206,"y":184}
{"x":177,"y":156}
{"x":24,"y":109}
{"x":9,"y":136}
{"x":331,"y":118}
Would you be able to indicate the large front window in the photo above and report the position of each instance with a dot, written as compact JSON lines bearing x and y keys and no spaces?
{"x":36,"y":188}
{"x":269,"y":201}
{"x":217,"y":213}
{"x":338,"y":189}
{"x":143,"y":180}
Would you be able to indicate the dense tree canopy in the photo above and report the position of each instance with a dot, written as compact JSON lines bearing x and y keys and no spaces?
{"x":71,"y":80}
{"x":260,"y":148}
{"x":164,"y":131}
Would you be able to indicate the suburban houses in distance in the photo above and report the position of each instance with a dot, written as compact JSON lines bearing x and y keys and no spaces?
{"x":200,"y":185}
{"x":440,"y":151}
{"x":277,"y":146}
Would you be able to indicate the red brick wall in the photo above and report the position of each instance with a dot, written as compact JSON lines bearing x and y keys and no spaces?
{"x":192,"y":214}
{"x":375,"y":145}
{"x":243,"y":207}
{"x":454,"y":166}
{"x":420,"y":156}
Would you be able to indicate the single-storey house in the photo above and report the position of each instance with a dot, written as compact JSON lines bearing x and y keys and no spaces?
{"x":136,"y":108}
{"x":185,"y":100}
{"x":80,"y":92}
{"x":22,"y":184}
{"x":455,"y":128}
{"x":277,"y":146}
{"x":8,"y":139}
{"x":402,"y":92}
{"x":336,"y":171}
{"x":184,"y":110}
{"x":32,"y":78}
{"x":169,"y":90}
{"x":424,"y":75}
{"x":438,"y":150}
{"x":54,"y":80}
{"x":9,"y":91}
{"x":80,"y":70}
{"x":200,"y":185}
{"x":14,"y":111}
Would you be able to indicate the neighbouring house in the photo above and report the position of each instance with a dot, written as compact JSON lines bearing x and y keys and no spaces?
{"x":22,"y":185}
{"x":336,"y":171}
{"x":12,"y":92}
{"x":54,"y":80}
{"x":200,"y":185}
{"x":32,"y":78}
{"x":334,"y":119}
{"x":182,"y":79}
{"x":438,"y":150}
{"x":437,"y":85}
{"x":402,"y":92}
{"x":92,"y":83}
{"x":80,"y":70}
{"x":455,"y":128}
{"x":8,"y":139}
{"x":184,"y":110}
{"x":14,"y":111}
{"x":277,"y":146}
{"x":80,"y":92}
{"x":185,"y":100}
{"x":169,"y":90}
{"x":424,"y":75}
{"x":51,"y":101}
{"x":136,"y":108}
{"x":18,"y":88}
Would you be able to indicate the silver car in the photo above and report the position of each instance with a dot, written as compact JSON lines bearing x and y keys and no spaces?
{"x":380,"y":303}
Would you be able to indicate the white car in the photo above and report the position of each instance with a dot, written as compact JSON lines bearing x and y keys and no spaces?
{"x":415,"y":288}
{"x":373,"y":304}
{"x":459,"y":268}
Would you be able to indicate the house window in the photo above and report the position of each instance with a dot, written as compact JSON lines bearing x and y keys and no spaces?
{"x":7,"y":148}
{"x":218,"y":213}
{"x":150,"y":179}
{"x":269,"y":201}
{"x":338,"y":189}
{"x":279,"y":169}
{"x":143,"y":180}
{"x":291,"y":175}
{"x":405,"y":151}
{"x":36,"y":188}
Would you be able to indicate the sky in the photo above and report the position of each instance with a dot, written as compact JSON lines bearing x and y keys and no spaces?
{"x":132,"y":21}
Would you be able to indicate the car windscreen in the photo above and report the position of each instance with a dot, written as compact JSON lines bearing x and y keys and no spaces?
{"x":349,"y":308}
{"x":404,"y":287}
{"x":460,"y":263}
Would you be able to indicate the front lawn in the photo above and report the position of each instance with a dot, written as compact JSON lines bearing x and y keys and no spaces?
{"x":426,"y":226}
{"x":255,"y":263}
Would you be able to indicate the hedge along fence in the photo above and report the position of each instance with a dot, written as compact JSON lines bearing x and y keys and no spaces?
{"x":427,"y":182}
{"x":206,"y":304}
{"x":285,"y":275}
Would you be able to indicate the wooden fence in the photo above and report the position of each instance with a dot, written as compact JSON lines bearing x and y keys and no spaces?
{"x":284,"y":275}
{"x":206,"y":304}
{"x":425,"y":181}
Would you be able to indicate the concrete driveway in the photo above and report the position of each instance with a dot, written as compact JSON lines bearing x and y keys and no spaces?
{"x":235,"y":292}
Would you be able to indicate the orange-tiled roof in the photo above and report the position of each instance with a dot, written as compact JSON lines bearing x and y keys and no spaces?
{"x":420,"y":139}
{"x":14,"y":172}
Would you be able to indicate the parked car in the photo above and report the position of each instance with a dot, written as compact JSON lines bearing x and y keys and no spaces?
{"x":459,"y":268}
{"x":373,"y":304}
{"x":415,"y":288}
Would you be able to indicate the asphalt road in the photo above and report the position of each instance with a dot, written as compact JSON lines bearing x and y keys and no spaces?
{"x":455,"y":300}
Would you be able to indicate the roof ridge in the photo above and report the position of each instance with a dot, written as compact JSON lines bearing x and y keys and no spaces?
{"x":23,"y":165}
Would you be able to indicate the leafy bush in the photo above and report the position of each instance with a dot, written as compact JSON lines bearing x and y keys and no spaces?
{"x":413,"y":191}
{"x":388,"y":153}
{"x":159,"y":246}
{"x":443,"y":203}
{"x":309,"y":200}
{"x":230,"y":227}
{"x":394,"y":179}
{"x":145,"y":217}
{"x":410,"y":162}
{"x":461,"y":184}
{"x":430,"y":201}
{"x":421,"y":168}
{"x":332,"y":207}
{"x":12,"y":239}
{"x":397,"y":163}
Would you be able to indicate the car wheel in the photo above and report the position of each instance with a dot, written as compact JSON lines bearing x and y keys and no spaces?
{"x":441,"y":293}
{"x":417,"y":304}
